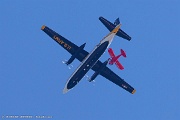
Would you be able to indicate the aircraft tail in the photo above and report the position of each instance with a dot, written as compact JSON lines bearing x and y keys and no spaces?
{"x":117,"y":22}
{"x":110,"y":26}
{"x":123,"y":53}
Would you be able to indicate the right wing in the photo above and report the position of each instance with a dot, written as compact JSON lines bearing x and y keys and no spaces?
{"x":111,"y":76}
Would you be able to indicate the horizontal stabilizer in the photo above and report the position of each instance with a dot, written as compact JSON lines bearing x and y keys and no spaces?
{"x":123,"y":53}
{"x":110,"y":26}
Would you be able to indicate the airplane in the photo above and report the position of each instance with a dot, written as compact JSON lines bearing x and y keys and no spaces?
{"x":114,"y":58}
{"x":88,"y":60}
{"x":110,"y":26}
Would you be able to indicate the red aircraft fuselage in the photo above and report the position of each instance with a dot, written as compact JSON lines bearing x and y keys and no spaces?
{"x":114,"y":59}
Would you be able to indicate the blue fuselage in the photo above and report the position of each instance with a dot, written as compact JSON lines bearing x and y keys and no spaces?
{"x":87,"y":64}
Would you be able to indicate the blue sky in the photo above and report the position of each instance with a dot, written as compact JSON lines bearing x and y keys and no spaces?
{"x":32,"y":75}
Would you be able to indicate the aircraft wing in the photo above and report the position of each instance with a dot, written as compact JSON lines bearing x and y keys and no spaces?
{"x":66,"y":44}
{"x":111,"y":76}
{"x":71,"y":48}
{"x":118,"y":64}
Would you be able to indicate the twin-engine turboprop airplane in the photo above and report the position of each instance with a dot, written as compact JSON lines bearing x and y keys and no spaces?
{"x":110,"y":26}
{"x":89,"y":60}
{"x":114,"y":58}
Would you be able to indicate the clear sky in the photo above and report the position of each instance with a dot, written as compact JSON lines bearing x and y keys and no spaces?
{"x":32,"y":75}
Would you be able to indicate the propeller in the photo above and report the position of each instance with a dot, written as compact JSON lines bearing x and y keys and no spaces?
{"x":87,"y":77}
{"x":70,"y":66}
{"x":64,"y":61}
{"x":93,"y":82}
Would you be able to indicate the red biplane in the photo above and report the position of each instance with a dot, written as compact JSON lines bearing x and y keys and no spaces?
{"x":114,"y":59}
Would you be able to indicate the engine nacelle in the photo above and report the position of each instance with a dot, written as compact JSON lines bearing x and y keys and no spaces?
{"x":99,"y":71}
{"x":94,"y":76}
{"x":75,"y":54}
{"x":70,"y":60}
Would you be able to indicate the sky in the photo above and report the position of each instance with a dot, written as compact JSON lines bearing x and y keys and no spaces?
{"x":32,"y":75}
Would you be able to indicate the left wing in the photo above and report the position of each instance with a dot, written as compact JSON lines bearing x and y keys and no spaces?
{"x":71,"y":48}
